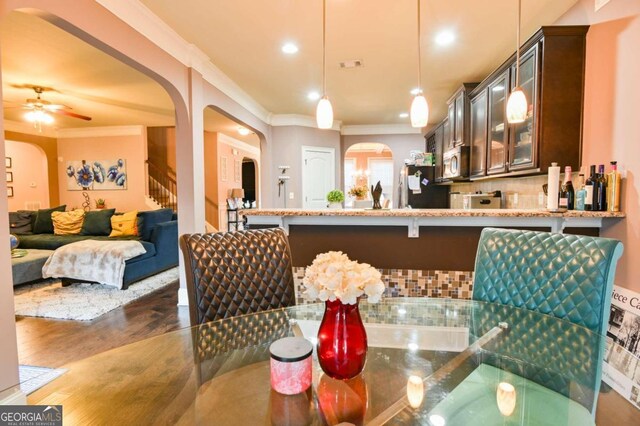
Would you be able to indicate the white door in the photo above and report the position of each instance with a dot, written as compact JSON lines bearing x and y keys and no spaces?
{"x":318,"y":176}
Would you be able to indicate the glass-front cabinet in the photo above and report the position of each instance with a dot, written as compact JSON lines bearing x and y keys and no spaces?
{"x":497,"y":142}
{"x":521,"y":136}
{"x":479,"y":135}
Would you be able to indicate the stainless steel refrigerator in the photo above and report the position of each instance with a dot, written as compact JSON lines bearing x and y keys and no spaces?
{"x":429,"y":195}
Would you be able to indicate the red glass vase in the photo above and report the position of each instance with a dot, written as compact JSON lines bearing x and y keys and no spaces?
{"x":342,"y":341}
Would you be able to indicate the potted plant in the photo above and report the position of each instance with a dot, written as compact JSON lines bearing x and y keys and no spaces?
{"x":359,"y":192}
{"x":335,"y":199}
{"x":101,"y":203}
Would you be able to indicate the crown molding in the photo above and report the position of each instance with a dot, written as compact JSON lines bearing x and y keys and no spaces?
{"x":143,"y":20}
{"x":278,"y":120}
{"x":96,"y":132}
{"x":226,"y":139}
{"x":26,"y":128}
{"x":380,"y":129}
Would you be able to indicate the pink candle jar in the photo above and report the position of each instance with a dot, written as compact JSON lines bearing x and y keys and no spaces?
{"x":291,"y":365}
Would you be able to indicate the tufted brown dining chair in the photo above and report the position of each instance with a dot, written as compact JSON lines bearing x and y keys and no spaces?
{"x":236,"y":273}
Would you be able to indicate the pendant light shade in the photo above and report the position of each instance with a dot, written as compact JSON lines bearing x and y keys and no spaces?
{"x":419,"y":106}
{"x":517,"y":106}
{"x":324,"y":110}
{"x":419,"y":111}
{"x":324,"y":114}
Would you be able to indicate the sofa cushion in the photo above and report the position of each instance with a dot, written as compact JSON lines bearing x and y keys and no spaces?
{"x":151,"y":251}
{"x":97,"y":222}
{"x":124,"y":224}
{"x":43,"y":223}
{"x":20,"y":222}
{"x":52,"y":242}
{"x":67,"y":223}
{"x":150,"y":219}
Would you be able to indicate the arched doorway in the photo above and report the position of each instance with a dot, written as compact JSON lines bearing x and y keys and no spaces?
{"x":366,"y":164}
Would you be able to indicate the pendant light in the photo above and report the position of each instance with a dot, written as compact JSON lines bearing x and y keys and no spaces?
{"x":419,"y":106}
{"x":517,"y":103}
{"x":324,"y":111}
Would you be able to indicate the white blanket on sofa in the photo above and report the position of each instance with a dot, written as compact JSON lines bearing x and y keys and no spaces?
{"x":92,"y":260}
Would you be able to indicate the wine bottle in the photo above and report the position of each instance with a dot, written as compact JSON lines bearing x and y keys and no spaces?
{"x":600,"y":190}
{"x":613,"y":188}
{"x":567,"y":193}
{"x":589,"y":186}
{"x":581,"y":193}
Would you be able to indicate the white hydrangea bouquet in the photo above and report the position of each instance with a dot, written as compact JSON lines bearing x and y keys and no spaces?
{"x":333,"y":275}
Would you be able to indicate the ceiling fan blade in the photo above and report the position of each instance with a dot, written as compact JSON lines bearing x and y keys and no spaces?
{"x":12,"y":107}
{"x":71,"y":114}
{"x":55,"y":107}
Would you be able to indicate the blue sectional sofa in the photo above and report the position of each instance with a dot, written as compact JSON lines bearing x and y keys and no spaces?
{"x":158,"y":233}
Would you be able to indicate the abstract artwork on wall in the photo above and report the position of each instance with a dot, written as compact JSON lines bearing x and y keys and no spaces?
{"x":96,"y":175}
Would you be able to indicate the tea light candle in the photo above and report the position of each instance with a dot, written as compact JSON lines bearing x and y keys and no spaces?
{"x":506,"y":398}
{"x":291,"y":365}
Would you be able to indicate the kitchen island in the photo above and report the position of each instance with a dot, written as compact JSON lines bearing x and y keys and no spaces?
{"x":420,"y":252}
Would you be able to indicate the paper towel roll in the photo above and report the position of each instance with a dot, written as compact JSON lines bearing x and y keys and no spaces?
{"x":553,"y":187}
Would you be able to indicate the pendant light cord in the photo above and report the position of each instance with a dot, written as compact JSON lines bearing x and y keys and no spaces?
{"x":419,"y":55}
{"x":324,"y":49}
{"x":518,"y":45}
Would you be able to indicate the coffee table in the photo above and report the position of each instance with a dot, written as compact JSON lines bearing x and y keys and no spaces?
{"x":29,"y":268}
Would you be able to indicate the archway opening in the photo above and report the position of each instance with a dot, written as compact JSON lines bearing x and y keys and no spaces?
{"x":366,"y":164}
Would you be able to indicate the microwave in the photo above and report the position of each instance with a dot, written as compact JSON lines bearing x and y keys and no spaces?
{"x":455,"y":163}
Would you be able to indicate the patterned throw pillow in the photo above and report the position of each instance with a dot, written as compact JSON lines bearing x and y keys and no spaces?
{"x":67,"y":223}
{"x":124,"y":224}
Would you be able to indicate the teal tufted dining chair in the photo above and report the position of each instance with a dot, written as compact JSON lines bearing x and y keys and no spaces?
{"x":566,"y":276}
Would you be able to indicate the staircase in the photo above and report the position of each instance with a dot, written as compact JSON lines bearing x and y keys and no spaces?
{"x":162,"y":186}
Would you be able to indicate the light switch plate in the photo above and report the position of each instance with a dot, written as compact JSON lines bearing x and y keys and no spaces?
{"x":291,"y":195}
{"x":600,"y":4}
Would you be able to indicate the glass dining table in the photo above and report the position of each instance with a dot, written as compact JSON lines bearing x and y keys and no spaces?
{"x":429,"y":361}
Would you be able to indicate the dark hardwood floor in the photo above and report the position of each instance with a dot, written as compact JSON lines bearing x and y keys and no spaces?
{"x":54,"y":343}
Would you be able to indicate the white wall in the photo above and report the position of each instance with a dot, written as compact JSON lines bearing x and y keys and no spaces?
{"x":286,"y":149}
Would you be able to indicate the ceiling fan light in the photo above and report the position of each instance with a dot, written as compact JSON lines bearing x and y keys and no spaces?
{"x":47,"y":118}
{"x":31,"y":116}
{"x":324,"y":114}
{"x":517,"y":106}
{"x":419,"y":111}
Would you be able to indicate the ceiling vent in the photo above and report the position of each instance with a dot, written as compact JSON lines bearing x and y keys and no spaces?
{"x":354,"y":63}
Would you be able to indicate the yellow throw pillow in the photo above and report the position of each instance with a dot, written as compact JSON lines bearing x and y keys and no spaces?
{"x":124,"y":224}
{"x":67,"y":223}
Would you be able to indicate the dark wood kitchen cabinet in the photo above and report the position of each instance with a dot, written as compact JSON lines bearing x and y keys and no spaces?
{"x":552,"y":77}
{"x":435,"y":144}
{"x":458,"y":117}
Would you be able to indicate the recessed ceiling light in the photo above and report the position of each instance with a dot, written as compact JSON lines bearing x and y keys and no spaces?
{"x":243,"y":131}
{"x":403,"y":115}
{"x":289,"y":48}
{"x":445,"y":38}
{"x":415,"y":91}
{"x":313,"y":96}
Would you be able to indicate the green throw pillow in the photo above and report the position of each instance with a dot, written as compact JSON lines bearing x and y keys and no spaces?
{"x":43,"y":223}
{"x":97,"y":222}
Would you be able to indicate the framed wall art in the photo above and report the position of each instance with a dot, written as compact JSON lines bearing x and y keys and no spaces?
{"x":96,"y":175}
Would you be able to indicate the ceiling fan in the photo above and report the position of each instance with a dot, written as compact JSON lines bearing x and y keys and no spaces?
{"x":39,"y":108}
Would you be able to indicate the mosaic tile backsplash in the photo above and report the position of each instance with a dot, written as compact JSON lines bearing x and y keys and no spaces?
{"x":410,"y":283}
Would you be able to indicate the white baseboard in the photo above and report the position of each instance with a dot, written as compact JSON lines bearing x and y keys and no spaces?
{"x":13,"y":397}
{"x":183,"y":298}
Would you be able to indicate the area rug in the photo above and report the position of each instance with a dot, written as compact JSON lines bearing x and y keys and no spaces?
{"x":83,"y":302}
{"x":33,"y":378}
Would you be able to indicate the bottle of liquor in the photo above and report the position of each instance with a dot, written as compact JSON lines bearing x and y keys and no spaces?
{"x":600,"y":190}
{"x":589,"y":186}
{"x":581,"y":193}
{"x":613,"y":188}
{"x":567,"y":193}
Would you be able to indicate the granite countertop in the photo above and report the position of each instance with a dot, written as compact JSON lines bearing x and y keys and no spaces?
{"x":430,"y":213}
